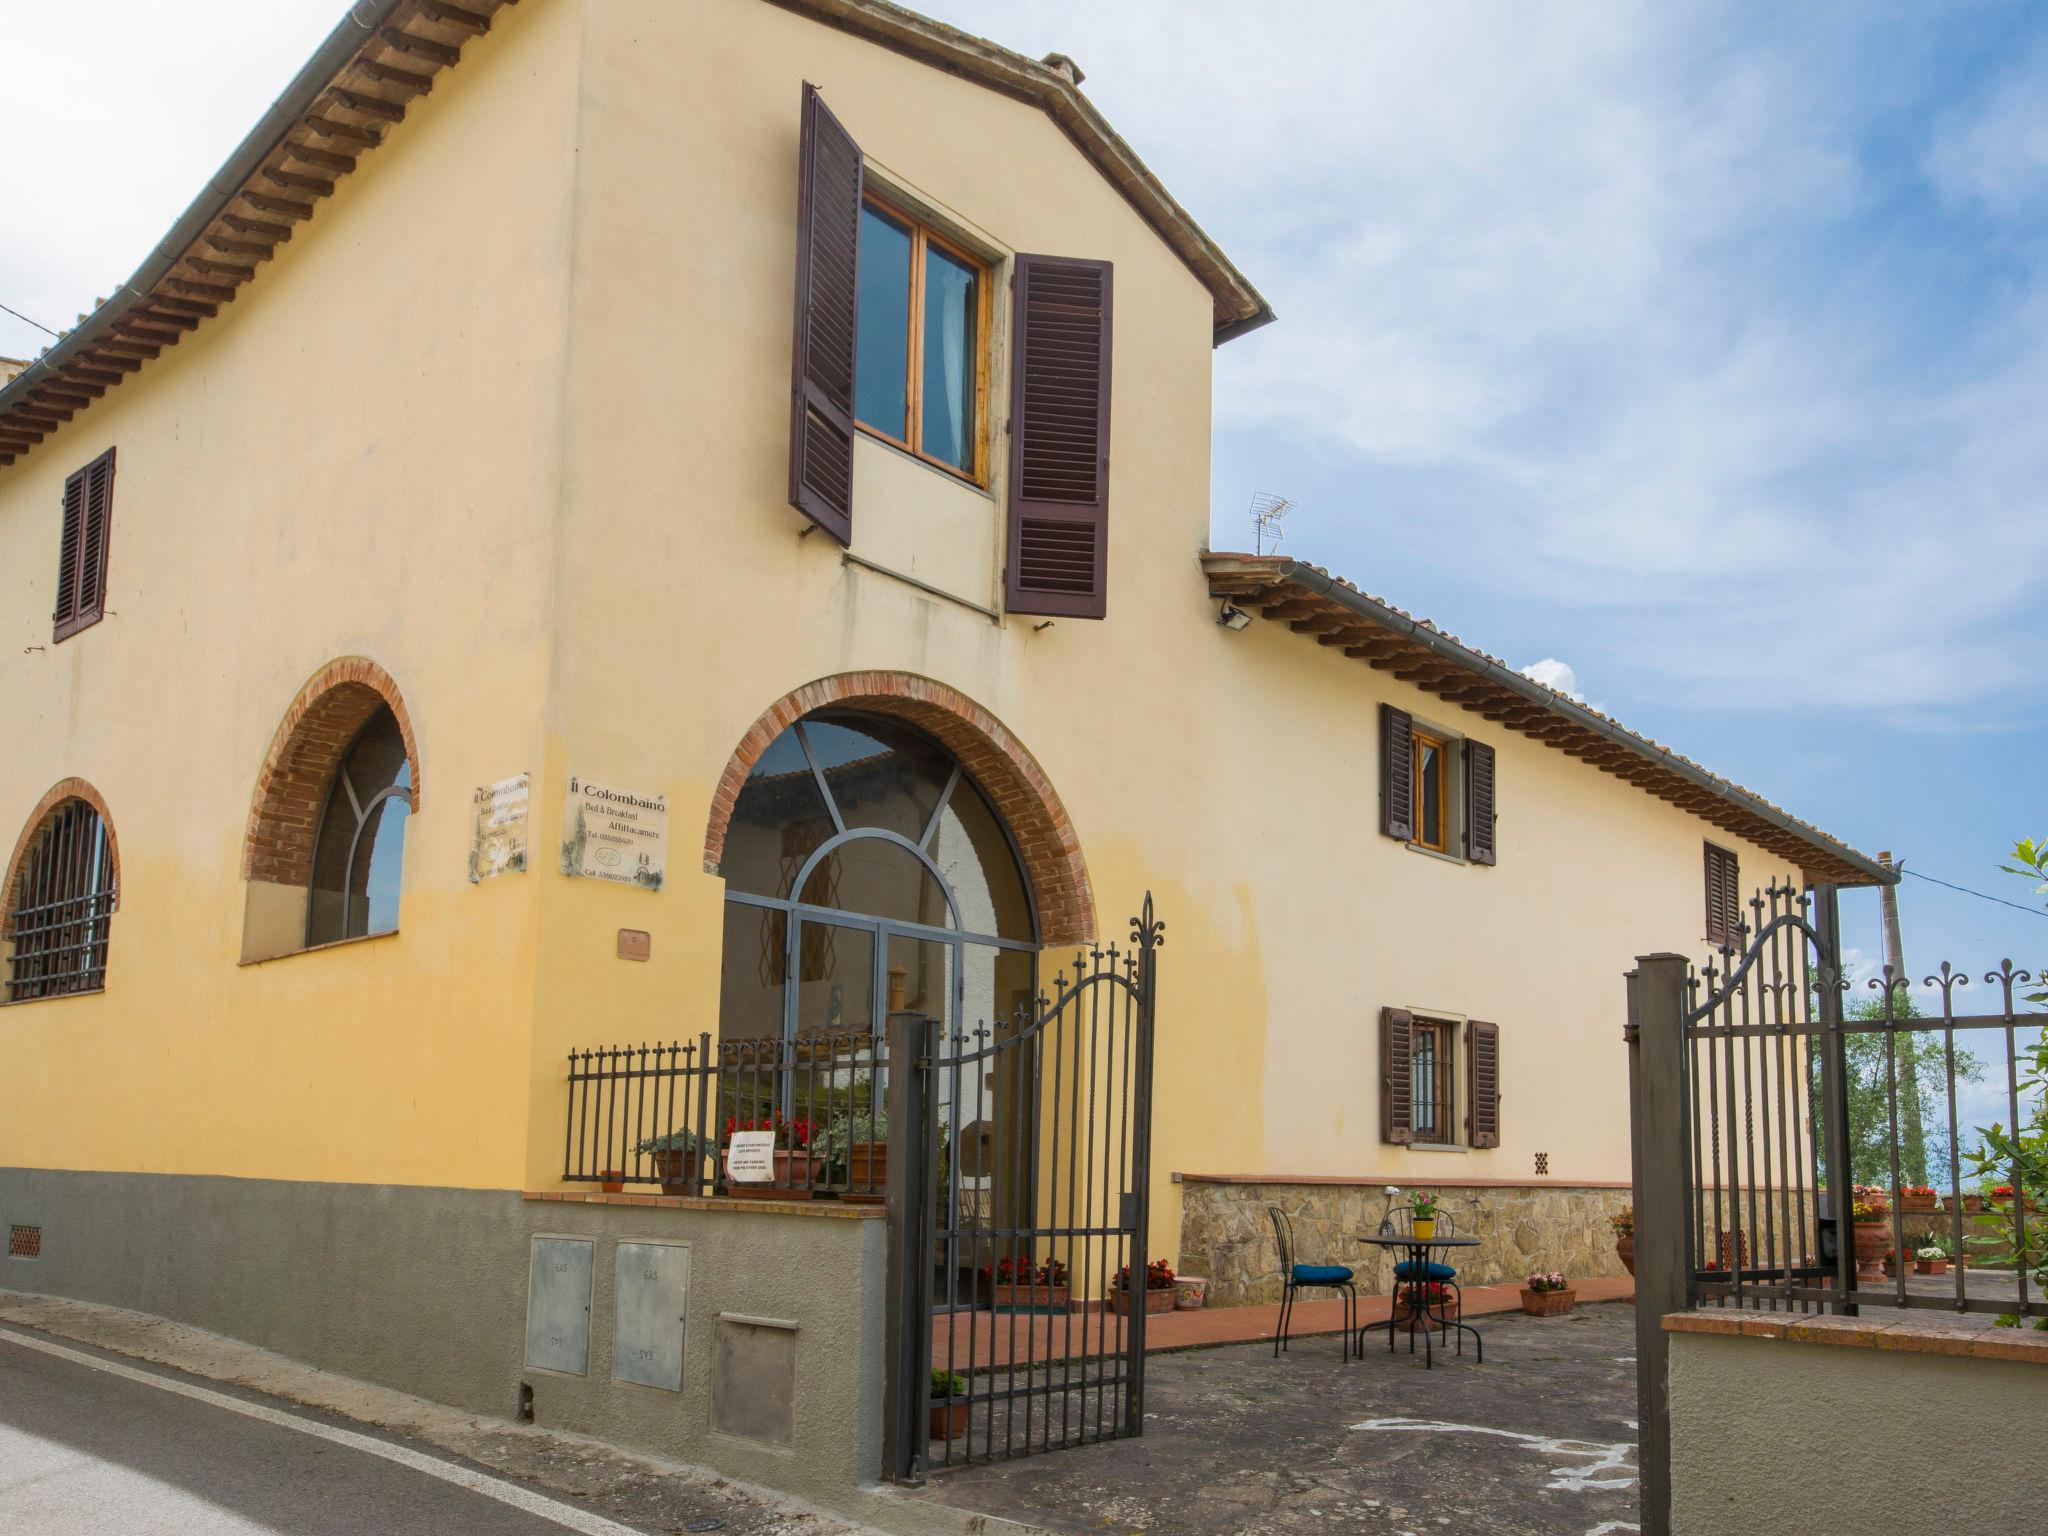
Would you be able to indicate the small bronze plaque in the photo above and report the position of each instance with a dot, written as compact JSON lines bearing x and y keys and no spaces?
{"x":634,"y":944}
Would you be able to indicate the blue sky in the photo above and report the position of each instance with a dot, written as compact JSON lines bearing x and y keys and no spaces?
{"x":1702,"y":349}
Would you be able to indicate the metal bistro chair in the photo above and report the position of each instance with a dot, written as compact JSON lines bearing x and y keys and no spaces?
{"x":1401,"y":1221}
{"x":1296,"y":1277}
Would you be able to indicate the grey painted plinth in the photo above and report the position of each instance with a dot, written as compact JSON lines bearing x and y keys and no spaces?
{"x":426,"y":1290}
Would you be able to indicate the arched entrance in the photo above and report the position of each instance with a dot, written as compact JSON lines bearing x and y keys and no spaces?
{"x":867,"y":872}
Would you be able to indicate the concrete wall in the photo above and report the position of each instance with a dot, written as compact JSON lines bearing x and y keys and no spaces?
{"x":425,"y":1290}
{"x":1776,"y":1436}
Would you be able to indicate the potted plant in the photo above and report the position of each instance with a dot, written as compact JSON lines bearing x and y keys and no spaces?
{"x":678,"y":1160}
{"x":1422,"y":1216}
{"x":1547,"y":1294}
{"x":797,"y":1168}
{"x":1017,"y":1285}
{"x":950,"y":1408}
{"x":1624,"y":1223}
{"x":1871,"y":1235}
{"x":1158,"y":1289}
{"x":854,"y":1146}
{"x":1971,"y":1204}
{"x":1931,"y":1260}
{"x":1439,"y":1301}
{"x":1916,"y":1197}
{"x":612,"y":1181}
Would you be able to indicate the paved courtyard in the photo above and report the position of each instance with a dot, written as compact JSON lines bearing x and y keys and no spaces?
{"x":1538,"y":1440}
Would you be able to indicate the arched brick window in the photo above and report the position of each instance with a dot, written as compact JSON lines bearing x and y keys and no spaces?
{"x":327,"y":830}
{"x":62,"y":887}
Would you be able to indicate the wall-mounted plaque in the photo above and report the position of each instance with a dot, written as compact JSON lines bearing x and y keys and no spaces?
{"x":613,"y":834}
{"x":498,"y":846}
{"x":635,"y":943}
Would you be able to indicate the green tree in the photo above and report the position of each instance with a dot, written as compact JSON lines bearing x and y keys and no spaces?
{"x":1919,"y":1063}
{"x":2018,"y":1156}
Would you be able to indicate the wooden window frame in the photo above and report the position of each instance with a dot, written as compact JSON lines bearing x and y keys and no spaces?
{"x":1419,"y":739}
{"x":1443,"y":1037}
{"x":922,"y":237}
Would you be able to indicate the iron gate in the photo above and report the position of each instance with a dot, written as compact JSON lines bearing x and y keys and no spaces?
{"x":1018,"y":1212}
{"x":1796,"y":1145}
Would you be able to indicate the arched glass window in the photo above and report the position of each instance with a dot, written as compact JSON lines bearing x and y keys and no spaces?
{"x":867,"y":873}
{"x":360,"y":849}
{"x":61,"y":908}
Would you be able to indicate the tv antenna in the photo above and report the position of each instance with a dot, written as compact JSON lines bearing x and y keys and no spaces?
{"x":1267,"y":511}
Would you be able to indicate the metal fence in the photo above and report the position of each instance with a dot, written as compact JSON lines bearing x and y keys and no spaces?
{"x":660,"y":1114}
{"x":1802,"y":1145}
{"x":1833,"y":1162}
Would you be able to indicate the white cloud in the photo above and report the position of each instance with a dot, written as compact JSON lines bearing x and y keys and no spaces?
{"x":1617,"y":277}
{"x":1552,"y":673}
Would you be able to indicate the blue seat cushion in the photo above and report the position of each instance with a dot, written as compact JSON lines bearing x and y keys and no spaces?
{"x":1321,"y":1274}
{"x":1405,"y":1270}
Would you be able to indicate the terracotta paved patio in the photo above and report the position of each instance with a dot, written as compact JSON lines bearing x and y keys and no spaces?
{"x":982,"y":1339}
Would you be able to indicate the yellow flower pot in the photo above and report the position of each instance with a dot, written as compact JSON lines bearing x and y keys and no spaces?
{"x":1424,"y":1228}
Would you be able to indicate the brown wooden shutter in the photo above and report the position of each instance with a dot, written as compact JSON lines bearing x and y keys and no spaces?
{"x":1482,"y":1083}
{"x":1724,"y":896}
{"x":829,"y":171}
{"x":1397,"y":1076}
{"x":1479,"y":771}
{"x":66,"y":608}
{"x":82,"y":547}
{"x":1397,"y":773}
{"x":1058,"y":557}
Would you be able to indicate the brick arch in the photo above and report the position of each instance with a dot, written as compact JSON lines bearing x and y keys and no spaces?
{"x":54,"y":796}
{"x":291,"y":788}
{"x":1006,"y":771}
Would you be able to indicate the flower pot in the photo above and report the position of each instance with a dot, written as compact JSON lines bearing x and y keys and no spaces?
{"x":795,"y":1172}
{"x":867,"y":1172}
{"x":1051,"y":1300}
{"x":1625,"y":1249}
{"x":1872,"y":1239}
{"x":1158,"y":1299}
{"x":1190,"y":1293}
{"x":612,"y":1182}
{"x":1917,"y":1202}
{"x":949,"y":1419}
{"x":1548,"y":1303}
{"x":1424,"y":1228}
{"x":676,"y":1168}
{"x":1930,"y":1266}
{"x":1405,"y":1320}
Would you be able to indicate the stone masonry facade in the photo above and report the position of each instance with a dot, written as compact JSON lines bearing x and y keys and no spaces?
{"x":1227,"y":1236}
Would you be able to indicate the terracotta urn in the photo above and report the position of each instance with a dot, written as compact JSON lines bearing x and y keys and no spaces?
{"x":1625,"y":1250}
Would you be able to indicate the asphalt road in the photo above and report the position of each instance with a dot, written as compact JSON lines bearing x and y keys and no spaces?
{"x":112,"y":1446}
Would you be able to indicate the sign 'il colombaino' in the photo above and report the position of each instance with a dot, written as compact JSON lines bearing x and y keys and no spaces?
{"x":611,"y":834}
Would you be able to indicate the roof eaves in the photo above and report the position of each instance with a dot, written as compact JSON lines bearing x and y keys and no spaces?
{"x":1239,"y":307}
{"x":1495,"y":671}
{"x":96,"y":355}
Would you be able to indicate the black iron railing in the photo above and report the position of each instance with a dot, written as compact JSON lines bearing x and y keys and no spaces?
{"x":1834,"y":1159}
{"x":664,"y":1115}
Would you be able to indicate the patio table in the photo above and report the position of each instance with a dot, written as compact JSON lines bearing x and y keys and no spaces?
{"x":1417,"y":1287}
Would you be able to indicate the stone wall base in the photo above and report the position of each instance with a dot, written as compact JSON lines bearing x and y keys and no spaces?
{"x":1226,"y":1234}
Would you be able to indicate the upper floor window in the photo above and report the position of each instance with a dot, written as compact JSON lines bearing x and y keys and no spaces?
{"x":360,"y":848}
{"x":920,"y":371}
{"x":1724,"y":897}
{"x":82,"y":548}
{"x":61,"y":907}
{"x":1432,"y":809}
